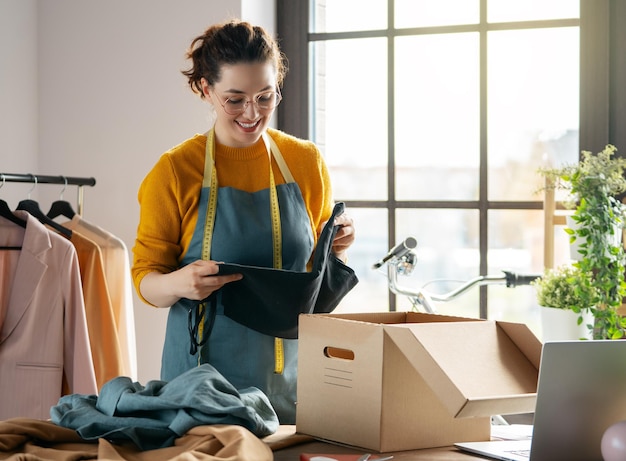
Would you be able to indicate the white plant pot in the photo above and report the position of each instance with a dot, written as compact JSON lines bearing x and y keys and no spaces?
{"x":562,"y":324}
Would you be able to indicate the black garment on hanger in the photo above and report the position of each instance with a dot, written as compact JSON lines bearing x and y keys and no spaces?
{"x":33,"y":208}
{"x":6,"y":212}
{"x":61,"y":208}
{"x":270,"y":300}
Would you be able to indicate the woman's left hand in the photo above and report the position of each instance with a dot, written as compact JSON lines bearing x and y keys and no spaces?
{"x":344,"y":237}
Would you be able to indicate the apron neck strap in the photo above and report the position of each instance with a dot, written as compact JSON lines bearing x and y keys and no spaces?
{"x":273,"y":150}
{"x":210,"y":180}
{"x":270,"y":146}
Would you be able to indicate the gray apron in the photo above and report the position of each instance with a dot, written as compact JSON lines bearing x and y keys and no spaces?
{"x":242,"y":233}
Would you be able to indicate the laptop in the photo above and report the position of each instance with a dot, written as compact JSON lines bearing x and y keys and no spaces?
{"x":580,"y":393}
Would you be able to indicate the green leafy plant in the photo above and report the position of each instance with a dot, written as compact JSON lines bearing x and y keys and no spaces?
{"x":593,"y":183}
{"x":567,"y":287}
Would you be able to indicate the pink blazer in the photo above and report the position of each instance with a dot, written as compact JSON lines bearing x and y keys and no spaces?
{"x":43,"y":332}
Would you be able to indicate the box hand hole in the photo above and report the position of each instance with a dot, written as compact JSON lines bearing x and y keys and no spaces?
{"x":338,"y":353}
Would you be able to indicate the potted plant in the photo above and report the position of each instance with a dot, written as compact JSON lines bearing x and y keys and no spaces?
{"x":594,"y":184}
{"x":566,"y":295}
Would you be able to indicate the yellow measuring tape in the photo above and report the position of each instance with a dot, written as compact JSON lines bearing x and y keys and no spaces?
{"x":279,"y":350}
{"x":210,"y":180}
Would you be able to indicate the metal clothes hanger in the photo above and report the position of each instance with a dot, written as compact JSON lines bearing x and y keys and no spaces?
{"x":61,"y":207}
{"x":33,"y":208}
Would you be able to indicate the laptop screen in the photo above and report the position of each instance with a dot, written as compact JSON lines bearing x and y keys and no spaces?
{"x":581,"y":392}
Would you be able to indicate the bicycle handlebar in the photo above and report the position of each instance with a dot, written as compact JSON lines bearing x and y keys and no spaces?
{"x":426,"y":299}
{"x":401,"y":259}
{"x":513,"y":280}
{"x":400,"y":250}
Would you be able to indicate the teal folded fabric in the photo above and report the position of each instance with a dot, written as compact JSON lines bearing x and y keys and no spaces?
{"x":154,"y":415}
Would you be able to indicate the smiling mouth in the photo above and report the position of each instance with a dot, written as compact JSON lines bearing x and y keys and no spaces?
{"x":248,"y":125}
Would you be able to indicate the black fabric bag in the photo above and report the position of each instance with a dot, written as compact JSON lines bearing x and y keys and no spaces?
{"x":270,"y":300}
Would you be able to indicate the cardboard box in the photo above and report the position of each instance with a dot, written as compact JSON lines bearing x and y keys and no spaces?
{"x":398,"y":381}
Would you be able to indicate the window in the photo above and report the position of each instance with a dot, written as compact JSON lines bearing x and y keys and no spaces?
{"x":433,"y":117}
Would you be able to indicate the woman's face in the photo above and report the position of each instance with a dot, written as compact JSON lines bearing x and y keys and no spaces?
{"x":241,"y":83}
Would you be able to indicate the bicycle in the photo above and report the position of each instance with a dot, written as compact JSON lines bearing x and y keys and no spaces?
{"x":402,"y":259}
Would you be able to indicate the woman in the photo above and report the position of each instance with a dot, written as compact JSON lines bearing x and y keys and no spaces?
{"x":233,"y":207}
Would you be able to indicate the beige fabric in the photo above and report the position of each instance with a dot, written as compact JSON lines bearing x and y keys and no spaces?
{"x":286,"y":436}
{"x":26,"y":439}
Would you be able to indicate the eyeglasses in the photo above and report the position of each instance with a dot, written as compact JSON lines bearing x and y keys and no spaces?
{"x":236,"y":105}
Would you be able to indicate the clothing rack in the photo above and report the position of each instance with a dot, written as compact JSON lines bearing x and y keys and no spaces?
{"x":46,"y":179}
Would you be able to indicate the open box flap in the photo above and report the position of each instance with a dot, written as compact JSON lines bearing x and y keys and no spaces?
{"x":498,"y":405}
{"x":524,"y":339}
{"x":368,"y":317}
{"x":475,"y":368}
{"x":387,"y":317}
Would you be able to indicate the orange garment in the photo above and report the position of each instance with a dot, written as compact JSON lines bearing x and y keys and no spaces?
{"x":116,"y":263}
{"x":8,"y":263}
{"x":105,"y":345}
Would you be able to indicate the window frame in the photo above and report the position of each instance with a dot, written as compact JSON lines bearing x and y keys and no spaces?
{"x":602,"y":97}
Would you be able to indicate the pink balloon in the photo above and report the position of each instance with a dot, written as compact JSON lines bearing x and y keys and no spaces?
{"x":614,"y":442}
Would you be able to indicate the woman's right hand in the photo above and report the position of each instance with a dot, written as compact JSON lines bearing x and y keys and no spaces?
{"x":196,"y":281}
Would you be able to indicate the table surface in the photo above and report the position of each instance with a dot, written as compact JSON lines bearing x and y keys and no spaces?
{"x":288,"y":446}
{"x":431,"y":454}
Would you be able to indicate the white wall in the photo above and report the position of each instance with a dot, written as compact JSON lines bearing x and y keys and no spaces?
{"x":93,"y":88}
{"x":18,"y":91}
